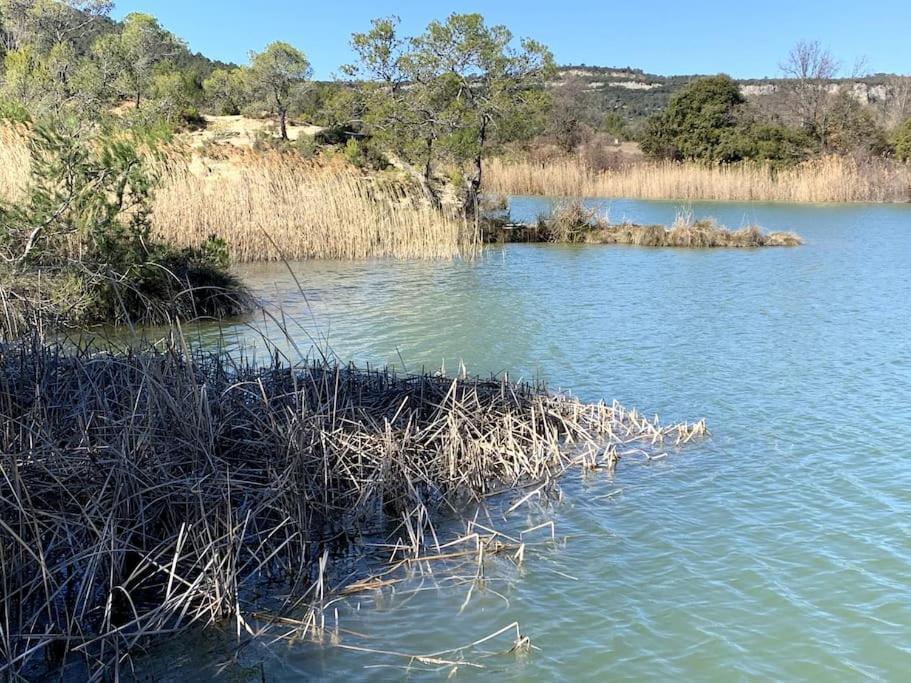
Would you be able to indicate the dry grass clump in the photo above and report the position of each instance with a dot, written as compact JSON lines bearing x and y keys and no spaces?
{"x":14,"y":162}
{"x":829,"y":179}
{"x":147,"y":491}
{"x":274,"y":206}
{"x":573,"y":223}
{"x":570,"y":223}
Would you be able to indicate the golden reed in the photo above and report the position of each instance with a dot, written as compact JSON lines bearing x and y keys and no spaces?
{"x":828,"y":179}
{"x":272,"y":206}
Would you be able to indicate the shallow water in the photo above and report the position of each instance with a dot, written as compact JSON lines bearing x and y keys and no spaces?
{"x":780,"y":548}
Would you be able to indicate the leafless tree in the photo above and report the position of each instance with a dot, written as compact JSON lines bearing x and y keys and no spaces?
{"x":566,"y":119}
{"x":897,"y":102}
{"x":809,"y":70}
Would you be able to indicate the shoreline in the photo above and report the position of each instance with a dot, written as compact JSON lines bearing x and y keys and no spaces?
{"x":210,"y":480}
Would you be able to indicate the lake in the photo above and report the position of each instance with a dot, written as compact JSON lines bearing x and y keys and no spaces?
{"x":778,"y":548}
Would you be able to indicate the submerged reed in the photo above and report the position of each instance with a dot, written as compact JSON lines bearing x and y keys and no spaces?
{"x":147,"y":491}
{"x":829,"y":179}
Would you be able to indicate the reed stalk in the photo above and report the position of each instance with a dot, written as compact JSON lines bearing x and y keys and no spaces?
{"x":827,"y":179}
{"x":148,"y":491}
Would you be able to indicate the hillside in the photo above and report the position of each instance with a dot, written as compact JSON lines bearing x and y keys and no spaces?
{"x":635,"y":94}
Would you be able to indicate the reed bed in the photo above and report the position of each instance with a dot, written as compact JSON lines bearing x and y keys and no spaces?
{"x":571,"y":222}
{"x":829,"y":179}
{"x":148,"y":491}
{"x":14,"y":163}
{"x":272,"y":207}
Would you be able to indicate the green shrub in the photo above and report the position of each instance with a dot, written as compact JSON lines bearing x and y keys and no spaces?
{"x":85,"y":219}
{"x":698,"y":123}
{"x":901,"y":141}
{"x":766,"y":142}
{"x":11,"y":110}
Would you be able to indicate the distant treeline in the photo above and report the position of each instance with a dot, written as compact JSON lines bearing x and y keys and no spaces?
{"x":436,"y":104}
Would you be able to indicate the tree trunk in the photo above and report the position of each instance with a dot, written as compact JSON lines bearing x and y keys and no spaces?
{"x":473,"y":185}
{"x":426,"y":180}
{"x":283,"y":123}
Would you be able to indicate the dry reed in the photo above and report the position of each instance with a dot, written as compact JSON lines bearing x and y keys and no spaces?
{"x":272,"y":206}
{"x":571,"y":222}
{"x":829,"y":179}
{"x":147,"y":491}
{"x":14,"y":163}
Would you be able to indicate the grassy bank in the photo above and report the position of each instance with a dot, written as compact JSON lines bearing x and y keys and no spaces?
{"x":271,"y":205}
{"x":76,"y":242}
{"x":147,"y":492}
{"x":830,"y":179}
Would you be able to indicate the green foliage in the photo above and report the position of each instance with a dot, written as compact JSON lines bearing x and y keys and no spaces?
{"x":901,"y":141}
{"x":363,"y":154}
{"x":767,"y":142}
{"x":448,"y":95}
{"x":275,"y":75}
{"x":698,"y":123}
{"x":14,"y":111}
{"x":849,"y":127}
{"x":226,"y":91}
{"x":615,"y":125}
{"x":131,"y":58}
{"x":86,"y":215}
{"x":80,"y":188}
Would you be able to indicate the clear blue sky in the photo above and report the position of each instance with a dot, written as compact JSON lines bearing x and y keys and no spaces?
{"x":744,"y":39}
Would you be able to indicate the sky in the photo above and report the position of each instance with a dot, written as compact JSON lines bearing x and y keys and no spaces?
{"x":667,"y":37}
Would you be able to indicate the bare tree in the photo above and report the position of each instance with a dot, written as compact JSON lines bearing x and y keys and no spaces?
{"x":566,"y":123}
{"x":897,"y":102}
{"x":809,"y":70}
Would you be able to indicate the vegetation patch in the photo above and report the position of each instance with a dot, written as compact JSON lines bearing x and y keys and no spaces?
{"x":77,"y":247}
{"x":147,"y":492}
{"x":573,"y":223}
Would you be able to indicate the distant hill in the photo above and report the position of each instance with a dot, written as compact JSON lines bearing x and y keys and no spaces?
{"x":635,"y":94}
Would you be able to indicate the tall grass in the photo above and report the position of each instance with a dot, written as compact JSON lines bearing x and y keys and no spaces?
{"x":14,"y":163}
{"x":829,"y":179}
{"x":272,"y":206}
{"x":145,"y":492}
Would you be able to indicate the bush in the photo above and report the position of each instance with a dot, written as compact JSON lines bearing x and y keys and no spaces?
{"x":85,"y":220}
{"x":697,"y":124}
{"x":901,"y":141}
{"x":766,"y":142}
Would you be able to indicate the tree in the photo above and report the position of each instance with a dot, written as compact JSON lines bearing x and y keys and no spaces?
{"x":698,"y":122}
{"x":132,"y":57}
{"x":851,"y":128}
{"x":173,"y":95}
{"x":450,"y":93}
{"x":902,"y":141}
{"x":226,"y":90}
{"x":615,"y":125}
{"x":45,"y":23}
{"x":808,"y":70}
{"x":275,"y":74}
{"x":26,"y":78}
{"x":566,"y":123}
{"x":395,"y":101}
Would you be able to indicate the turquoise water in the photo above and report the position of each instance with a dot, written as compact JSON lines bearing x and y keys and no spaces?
{"x":779,"y":548}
